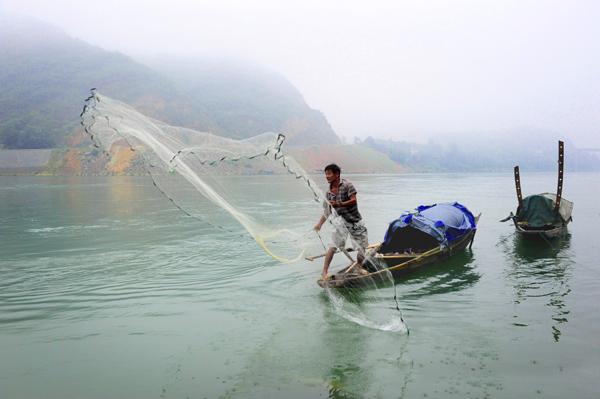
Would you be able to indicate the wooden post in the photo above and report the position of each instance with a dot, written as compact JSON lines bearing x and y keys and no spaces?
{"x":561,"y":163}
{"x":518,"y":186}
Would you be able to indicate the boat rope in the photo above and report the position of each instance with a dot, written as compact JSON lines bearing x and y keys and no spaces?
{"x":546,"y":240}
{"x":398,"y":308}
{"x":321,"y":239}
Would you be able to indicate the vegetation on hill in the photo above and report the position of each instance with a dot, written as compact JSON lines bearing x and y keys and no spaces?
{"x":45,"y":75}
{"x":485,"y":152}
{"x":245,"y":99}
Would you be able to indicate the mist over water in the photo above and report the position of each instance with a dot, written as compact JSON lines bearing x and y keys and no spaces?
{"x":388,"y":69}
{"x":139,"y":300}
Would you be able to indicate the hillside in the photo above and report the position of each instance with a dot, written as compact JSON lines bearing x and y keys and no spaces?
{"x":235,"y":93}
{"x":534,"y":150}
{"x":351,"y":158}
{"x":45,"y":75}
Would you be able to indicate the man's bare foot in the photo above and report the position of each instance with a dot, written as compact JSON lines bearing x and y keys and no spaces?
{"x":324,"y":277}
{"x":361,"y":271}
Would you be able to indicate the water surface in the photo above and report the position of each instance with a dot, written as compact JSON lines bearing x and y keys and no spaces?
{"x":108,"y":291}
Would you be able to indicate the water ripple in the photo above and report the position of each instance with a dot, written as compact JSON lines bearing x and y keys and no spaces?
{"x":76,"y":286}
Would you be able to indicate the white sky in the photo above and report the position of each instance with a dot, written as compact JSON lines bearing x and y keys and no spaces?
{"x":390,"y":69}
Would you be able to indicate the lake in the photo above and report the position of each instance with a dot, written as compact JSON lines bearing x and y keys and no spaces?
{"x":108,"y":291}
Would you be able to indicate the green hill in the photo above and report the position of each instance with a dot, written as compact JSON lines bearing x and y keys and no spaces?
{"x":245,"y":99}
{"x":45,"y":75}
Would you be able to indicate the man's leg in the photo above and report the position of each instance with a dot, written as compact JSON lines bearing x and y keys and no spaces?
{"x":328,"y":257}
{"x":338,"y":240}
{"x":361,"y":239}
{"x":360,"y":258}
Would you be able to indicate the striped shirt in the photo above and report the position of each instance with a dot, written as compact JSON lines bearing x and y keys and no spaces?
{"x":344,"y":192}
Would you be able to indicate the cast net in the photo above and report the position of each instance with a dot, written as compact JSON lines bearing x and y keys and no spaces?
{"x":216,"y":180}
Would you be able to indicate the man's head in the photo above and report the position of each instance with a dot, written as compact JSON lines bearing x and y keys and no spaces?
{"x":332,"y":172}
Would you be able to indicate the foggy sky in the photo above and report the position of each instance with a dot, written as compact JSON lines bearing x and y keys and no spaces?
{"x":397,"y":69}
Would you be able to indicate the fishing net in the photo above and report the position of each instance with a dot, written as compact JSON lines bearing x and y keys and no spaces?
{"x":217,"y":179}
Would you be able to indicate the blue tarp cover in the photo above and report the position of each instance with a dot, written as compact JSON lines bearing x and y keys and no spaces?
{"x":445,"y":222}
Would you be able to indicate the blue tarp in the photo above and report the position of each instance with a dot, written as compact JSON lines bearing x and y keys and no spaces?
{"x":445,"y":222}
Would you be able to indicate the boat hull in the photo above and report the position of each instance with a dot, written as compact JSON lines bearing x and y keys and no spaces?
{"x":396,"y":266}
{"x":555,"y":232}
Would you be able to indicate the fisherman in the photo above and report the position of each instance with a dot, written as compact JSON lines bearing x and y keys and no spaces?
{"x":342,"y":197}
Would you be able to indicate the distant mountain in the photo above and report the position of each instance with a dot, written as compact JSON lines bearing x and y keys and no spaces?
{"x":531,"y":149}
{"x":351,"y":158}
{"x":45,"y":75}
{"x":245,"y":99}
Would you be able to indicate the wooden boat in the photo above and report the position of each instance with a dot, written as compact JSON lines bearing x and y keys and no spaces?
{"x":382,"y":264}
{"x":543,"y":215}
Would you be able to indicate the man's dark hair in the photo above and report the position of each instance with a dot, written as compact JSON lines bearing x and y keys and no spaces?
{"x":334,"y":168}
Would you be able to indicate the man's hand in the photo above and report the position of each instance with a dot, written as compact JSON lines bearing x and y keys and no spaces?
{"x":317,"y":227}
{"x":335,"y":204}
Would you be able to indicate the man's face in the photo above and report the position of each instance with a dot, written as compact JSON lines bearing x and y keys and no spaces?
{"x":330,"y":176}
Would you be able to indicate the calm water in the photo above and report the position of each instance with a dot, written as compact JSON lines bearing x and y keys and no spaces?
{"x":107,"y":291}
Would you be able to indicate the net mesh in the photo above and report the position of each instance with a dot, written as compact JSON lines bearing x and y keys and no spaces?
{"x":253,"y":181}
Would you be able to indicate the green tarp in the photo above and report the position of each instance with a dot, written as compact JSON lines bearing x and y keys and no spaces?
{"x":538,"y":211}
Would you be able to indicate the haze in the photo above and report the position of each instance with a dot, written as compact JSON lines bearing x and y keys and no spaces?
{"x":401,"y":69}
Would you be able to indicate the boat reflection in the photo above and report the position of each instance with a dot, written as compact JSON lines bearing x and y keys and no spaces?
{"x":454,"y":274}
{"x":347,"y":376}
{"x":349,"y":373}
{"x":540,"y":270}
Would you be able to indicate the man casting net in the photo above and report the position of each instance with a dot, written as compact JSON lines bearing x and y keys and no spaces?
{"x":214,"y":179}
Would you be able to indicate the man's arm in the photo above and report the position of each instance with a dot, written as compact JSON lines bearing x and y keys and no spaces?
{"x":320,"y":223}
